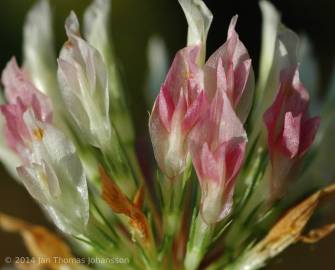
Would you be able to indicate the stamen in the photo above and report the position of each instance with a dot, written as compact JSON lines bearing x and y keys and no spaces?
{"x":38,"y":133}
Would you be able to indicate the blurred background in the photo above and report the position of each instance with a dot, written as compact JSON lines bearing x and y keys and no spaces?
{"x":133,"y":23}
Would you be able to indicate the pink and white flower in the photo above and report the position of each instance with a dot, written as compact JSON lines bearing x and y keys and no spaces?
{"x":183,"y":96}
{"x":291,"y":130}
{"x":21,"y":94}
{"x":83,"y":80}
{"x":177,"y":108}
{"x":51,"y":170}
{"x":217,"y":145}
{"x":237,"y":71}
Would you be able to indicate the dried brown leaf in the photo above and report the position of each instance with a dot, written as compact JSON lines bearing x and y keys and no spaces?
{"x":119,"y":203}
{"x":138,"y":200}
{"x":289,"y":228}
{"x":113,"y":195}
{"x":40,"y":242}
{"x":316,"y":235}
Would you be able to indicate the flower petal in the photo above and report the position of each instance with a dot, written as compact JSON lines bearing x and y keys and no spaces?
{"x":194,"y":112}
{"x":38,"y":50}
{"x":199,"y":19}
{"x":183,"y":68}
{"x":290,"y":139}
{"x":82,"y":76}
{"x":18,"y":85}
{"x":232,"y":62}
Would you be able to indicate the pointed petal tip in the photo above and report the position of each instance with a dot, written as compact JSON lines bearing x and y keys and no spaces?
{"x":72,"y":24}
{"x":268,"y":8}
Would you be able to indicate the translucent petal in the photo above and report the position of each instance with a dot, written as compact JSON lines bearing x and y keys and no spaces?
{"x":199,"y":19}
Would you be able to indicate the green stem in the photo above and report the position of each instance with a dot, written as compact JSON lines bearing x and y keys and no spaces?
{"x":199,"y":241}
{"x":245,"y":221}
{"x":250,"y":206}
{"x":172,"y":191}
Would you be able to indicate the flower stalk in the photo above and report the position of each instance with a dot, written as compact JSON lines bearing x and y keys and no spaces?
{"x":200,"y":239}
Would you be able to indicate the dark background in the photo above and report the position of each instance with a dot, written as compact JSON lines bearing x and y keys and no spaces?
{"x":133,"y":23}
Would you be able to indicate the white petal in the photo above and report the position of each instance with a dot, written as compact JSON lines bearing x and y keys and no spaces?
{"x":68,"y":81}
{"x":211,"y":206}
{"x":34,"y":182}
{"x":38,"y":50}
{"x":97,"y":33}
{"x":83,"y":79}
{"x":287,"y":48}
{"x":55,"y":177}
{"x":199,"y":19}
{"x":53,"y":181}
{"x":72,"y":25}
{"x":270,"y":24}
{"x":96,"y":21}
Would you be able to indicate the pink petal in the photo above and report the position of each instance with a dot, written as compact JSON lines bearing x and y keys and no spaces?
{"x":209,"y":167}
{"x":183,"y":68}
{"x":179,"y":114}
{"x":166,"y":107}
{"x":15,"y":129}
{"x":11,"y":78}
{"x":283,"y":118}
{"x":176,"y":110}
{"x":273,"y":118}
{"x":230,"y":82}
{"x":221,"y":78}
{"x":234,"y":158}
{"x":160,"y":139}
{"x":158,"y":133}
{"x":290,"y":138}
{"x":193,"y":113}
{"x":217,"y":145}
{"x":229,"y":124}
{"x":244,"y":101}
{"x":232,"y":25}
{"x":290,"y":130}
{"x":241,"y":77}
{"x":296,"y":96}
{"x":232,"y":43}
{"x":232,"y":54}
{"x":18,"y":85}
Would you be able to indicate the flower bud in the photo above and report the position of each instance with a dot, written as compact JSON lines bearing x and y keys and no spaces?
{"x":21,"y":94}
{"x":82,"y":76}
{"x":51,"y":170}
{"x":291,"y":130}
{"x":217,"y":145}
{"x":177,"y":108}
{"x":96,"y":30}
{"x":237,"y":71}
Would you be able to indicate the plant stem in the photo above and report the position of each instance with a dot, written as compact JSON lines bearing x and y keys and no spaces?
{"x":199,"y":241}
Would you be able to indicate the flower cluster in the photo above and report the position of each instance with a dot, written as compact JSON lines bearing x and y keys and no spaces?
{"x":231,"y":152}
